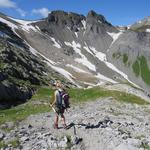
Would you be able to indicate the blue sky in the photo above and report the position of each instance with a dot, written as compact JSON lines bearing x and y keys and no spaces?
{"x":118,"y":12}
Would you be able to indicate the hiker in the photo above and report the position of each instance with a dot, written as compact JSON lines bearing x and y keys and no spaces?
{"x":57,"y":105}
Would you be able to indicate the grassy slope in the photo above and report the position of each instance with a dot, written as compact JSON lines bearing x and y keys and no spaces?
{"x":39,"y":102}
{"x":145,"y":71}
{"x":136,"y":68}
{"x":140,"y":67}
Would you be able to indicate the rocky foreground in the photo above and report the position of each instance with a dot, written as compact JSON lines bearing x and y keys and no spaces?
{"x":104,"y":124}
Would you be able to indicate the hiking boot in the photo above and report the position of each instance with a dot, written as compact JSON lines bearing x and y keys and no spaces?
{"x":55,"y":126}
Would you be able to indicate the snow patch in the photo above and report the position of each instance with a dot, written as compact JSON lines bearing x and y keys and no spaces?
{"x":26,"y":25}
{"x":38,"y":28}
{"x":68,"y":28}
{"x":101,"y":56}
{"x":48,"y":60}
{"x":114,"y":35}
{"x":28,"y":28}
{"x":51,"y":64}
{"x":83,"y":23}
{"x":76,"y":34}
{"x":83,"y":60}
{"x":75,"y":46}
{"x":45,"y":73}
{"x":23,"y":22}
{"x":102,"y":77}
{"x":116,"y":70}
{"x":111,"y":66}
{"x":87,"y":49}
{"x":147,"y":30}
{"x":129,"y":26}
{"x":55,"y":43}
{"x":76,"y":69}
{"x":61,"y":71}
{"x":10,"y":24}
{"x":99,"y":21}
{"x":64,"y":73}
{"x":86,"y":63}
{"x":90,"y":85}
{"x":140,"y":22}
{"x":33,"y":51}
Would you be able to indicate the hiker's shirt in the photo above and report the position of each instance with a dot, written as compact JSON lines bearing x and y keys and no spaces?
{"x":58,"y":98}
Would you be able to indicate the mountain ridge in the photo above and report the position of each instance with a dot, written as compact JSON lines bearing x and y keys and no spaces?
{"x":83,"y":50}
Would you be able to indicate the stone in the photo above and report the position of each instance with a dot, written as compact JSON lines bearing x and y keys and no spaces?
{"x":2,"y":135}
{"x":10,"y":125}
{"x":65,"y":139}
{"x":24,"y":139}
{"x":30,"y":126}
{"x":47,"y":134}
{"x":62,"y":144}
{"x":75,"y":140}
{"x":144,"y":142}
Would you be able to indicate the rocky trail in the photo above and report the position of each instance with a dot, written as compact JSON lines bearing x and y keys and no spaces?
{"x":104,"y":124}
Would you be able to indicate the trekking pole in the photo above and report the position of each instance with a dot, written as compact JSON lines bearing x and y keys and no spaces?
{"x":53,"y":108}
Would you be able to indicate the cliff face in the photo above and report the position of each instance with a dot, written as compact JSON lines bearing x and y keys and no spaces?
{"x":20,"y":73}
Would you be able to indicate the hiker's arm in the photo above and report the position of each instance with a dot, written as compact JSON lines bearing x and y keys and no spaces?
{"x":54,"y":99}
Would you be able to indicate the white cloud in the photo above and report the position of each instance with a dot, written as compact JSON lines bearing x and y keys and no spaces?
{"x":7,"y":4}
{"x":42,"y":12}
{"x":21,"y":12}
{"x":11,"y":4}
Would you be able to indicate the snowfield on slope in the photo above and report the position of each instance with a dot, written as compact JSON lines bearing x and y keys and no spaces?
{"x":56,"y":44}
{"x":10,"y":24}
{"x":76,"y":68}
{"x":114,"y":36}
{"x":52,"y":64}
{"x":83,"y":60}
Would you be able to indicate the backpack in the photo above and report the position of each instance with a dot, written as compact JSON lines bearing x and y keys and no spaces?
{"x":64,"y":99}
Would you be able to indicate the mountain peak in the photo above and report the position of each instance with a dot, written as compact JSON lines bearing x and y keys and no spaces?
{"x":62,"y":15}
{"x":93,"y":17}
{"x":142,"y":25}
{"x":62,"y":18}
{"x":92,"y":13}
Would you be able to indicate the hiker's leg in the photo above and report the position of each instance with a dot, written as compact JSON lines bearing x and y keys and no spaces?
{"x":63,"y":120}
{"x":56,"y":120}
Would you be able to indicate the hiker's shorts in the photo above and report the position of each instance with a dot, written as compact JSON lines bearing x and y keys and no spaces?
{"x":59,"y":110}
